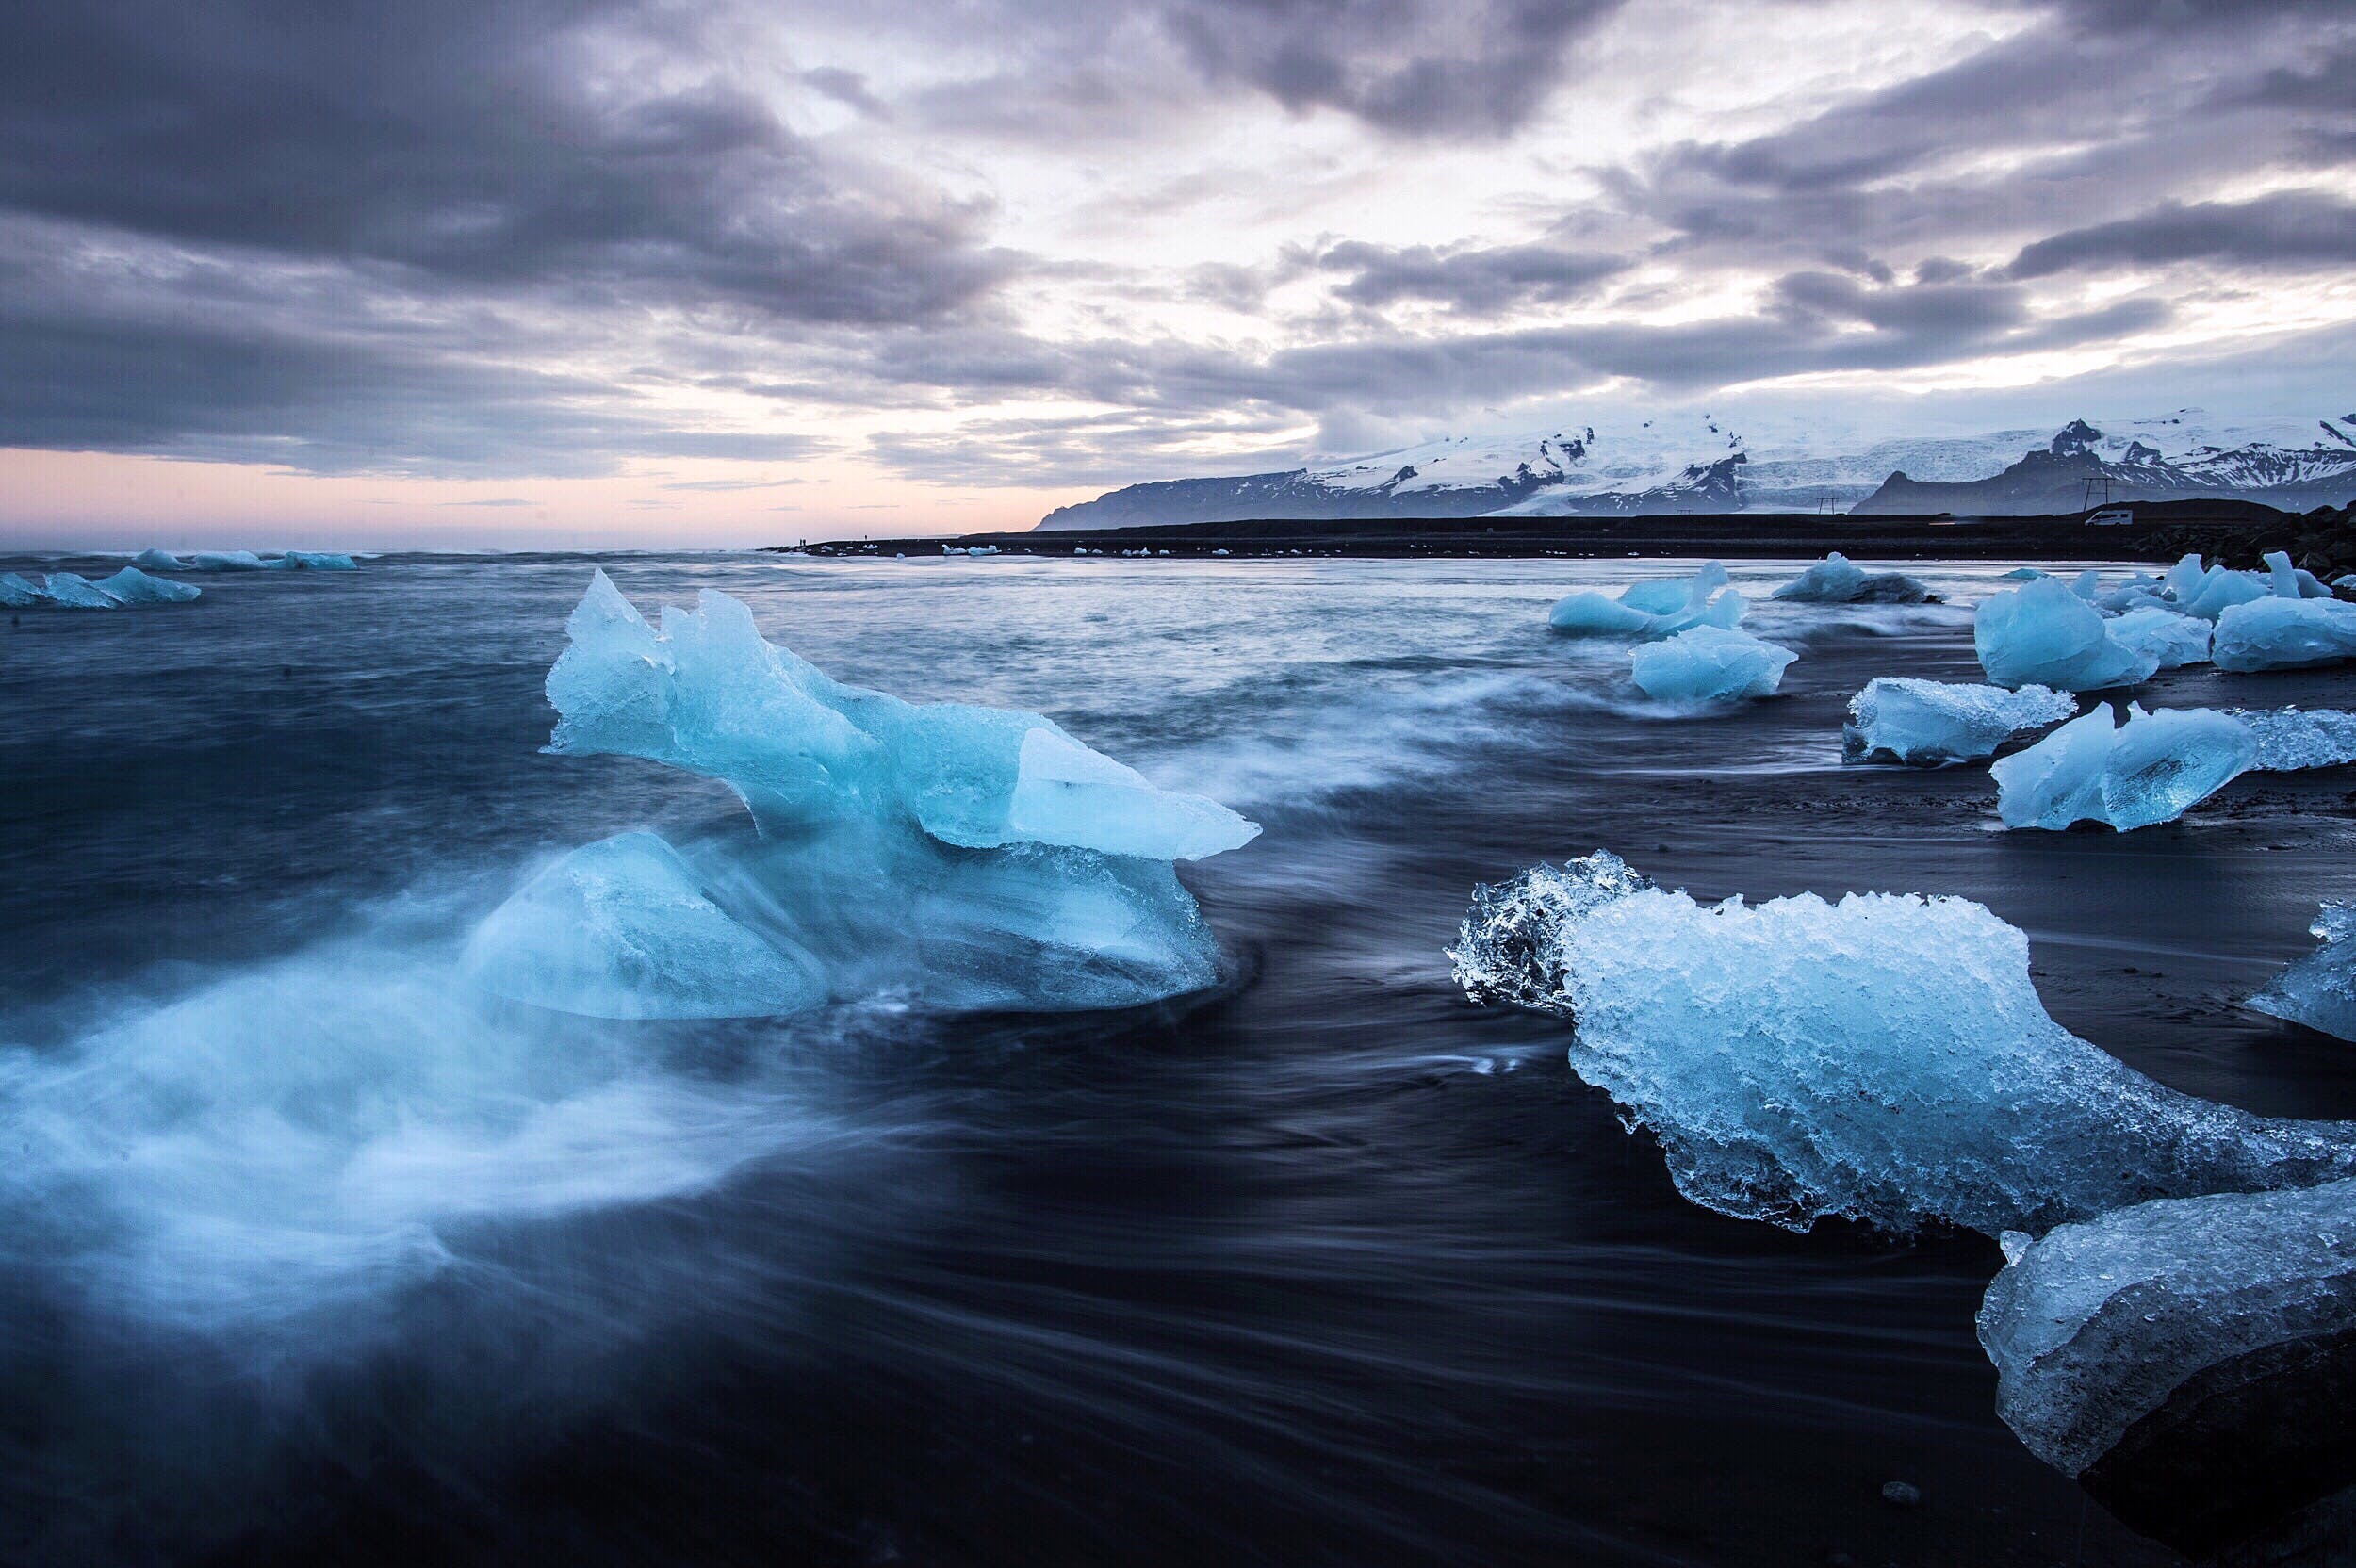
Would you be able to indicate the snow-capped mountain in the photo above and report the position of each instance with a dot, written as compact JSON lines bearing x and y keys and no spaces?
{"x":1701,"y":463}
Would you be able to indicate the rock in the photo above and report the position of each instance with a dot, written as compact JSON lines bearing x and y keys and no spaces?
{"x":1902,"y":1495}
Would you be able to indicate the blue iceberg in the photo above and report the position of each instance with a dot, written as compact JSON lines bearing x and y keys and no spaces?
{"x":1934,"y":724}
{"x":1837,"y":579}
{"x":1659,"y":607}
{"x":19,"y":593}
{"x":2044,"y":634}
{"x":133,"y":586}
{"x":312,"y":561}
{"x":2275,"y":633}
{"x":2150,"y":769}
{"x":159,"y":561}
{"x":2319,"y":991}
{"x":1884,"y":1059}
{"x":2171,"y":640}
{"x":1709,"y":663}
{"x":76,"y":591}
{"x":227,"y":560}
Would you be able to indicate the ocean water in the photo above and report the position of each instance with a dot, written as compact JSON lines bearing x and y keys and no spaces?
{"x":308,"y":1256}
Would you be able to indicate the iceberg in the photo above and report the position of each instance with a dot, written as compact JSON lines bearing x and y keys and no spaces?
{"x":2160,"y":634}
{"x":159,"y":561}
{"x":2284,"y":634}
{"x":1709,"y":663}
{"x":1659,"y":608}
{"x":1884,"y":1059}
{"x":2044,"y":634}
{"x":975,"y":857}
{"x":2292,"y":739}
{"x":312,"y":561}
{"x":2218,"y":590}
{"x":2319,"y":991}
{"x":2286,"y":581}
{"x":623,"y":929}
{"x":1933,"y":723}
{"x":133,"y":586}
{"x":17,"y":593}
{"x":76,"y":591}
{"x":1836,"y":579}
{"x":2150,"y":769}
{"x":2187,"y":1359}
{"x":227,"y":560}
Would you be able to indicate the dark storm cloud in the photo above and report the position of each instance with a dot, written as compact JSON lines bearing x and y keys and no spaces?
{"x":2288,"y":231}
{"x":1472,"y":280}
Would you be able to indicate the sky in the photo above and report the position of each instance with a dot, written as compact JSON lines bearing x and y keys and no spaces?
{"x":516,"y":272}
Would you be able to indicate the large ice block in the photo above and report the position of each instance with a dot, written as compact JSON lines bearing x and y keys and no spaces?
{"x":1933,"y":723}
{"x":2044,"y":634}
{"x":2150,"y":769}
{"x":1709,"y":663}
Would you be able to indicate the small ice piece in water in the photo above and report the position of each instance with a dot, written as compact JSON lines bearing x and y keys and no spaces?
{"x":2161,"y":633}
{"x":159,"y":561}
{"x":1659,"y":607}
{"x":1709,"y":663}
{"x":2153,"y":768}
{"x":2292,"y":739}
{"x":19,"y":593}
{"x":622,"y":929}
{"x":2025,"y":574}
{"x":1836,"y":579}
{"x":2187,"y":1360}
{"x":1885,"y":1058}
{"x":2283,"y":634}
{"x":313,"y":560}
{"x":133,"y":586}
{"x":2042,"y":634}
{"x":227,"y":560}
{"x":76,"y":591}
{"x":2319,"y":991}
{"x":1933,"y":722}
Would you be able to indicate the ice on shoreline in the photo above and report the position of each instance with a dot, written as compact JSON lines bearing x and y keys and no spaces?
{"x":1884,"y":1059}
{"x":1660,"y":607}
{"x":133,"y":586}
{"x":2276,"y":634}
{"x":1708,"y":665}
{"x":2150,"y":769}
{"x":2319,"y":991}
{"x":1836,"y":579}
{"x":1934,"y":724}
{"x":2044,"y":634}
{"x":76,"y":591}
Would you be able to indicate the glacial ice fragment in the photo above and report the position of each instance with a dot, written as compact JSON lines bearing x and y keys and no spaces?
{"x":2044,"y":634}
{"x":2150,"y":769}
{"x":2159,"y":633}
{"x":1659,"y":608}
{"x":2281,"y":634}
{"x":1932,"y":723}
{"x":76,"y":591}
{"x":1884,"y":1059}
{"x":1709,"y":663}
{"x":975,"y":855}
{"x":2286,"y":581}
{"x":159,"y":561}
{"x":227,"y":560}
{"x":621,"y":928}
{"x":133,"y":586}
{"x":2188,"y":1361}
{"x":312,"y":561}
{"x":2218,"y":590}
{"x":2319,"y":991}
{"x":1836,"y":579}
{"x":2291,"y":739}
{"x":19,"y":593}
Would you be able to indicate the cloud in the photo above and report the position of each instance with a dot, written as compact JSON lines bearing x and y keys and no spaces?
{"x":2287,"y":231}
{"x":1469,"y":281}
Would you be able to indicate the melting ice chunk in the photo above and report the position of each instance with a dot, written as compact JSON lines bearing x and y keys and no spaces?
{"x":2044,"y":634}
{"x":2159,"y":633}
{"x":159,"y":561}
{"x":76,"y":591}
{"x":2290,"y":739}
{"x":2150,"y":769}
{"x":1836,"y":579}
{"x":2284,"y":634}
{"x":622,"y":929}
{"x":133,"y":586}
{"x":1659,"y":607}
{"x":2185,"y":1360}
{"x":1884,"y":1059}
{"x":2319,"y":991}
{"x":1709,"y":663}
{"x":19,"y":593}
{"x":1933,"y":723}
{"x":227,"y":560}
{"x":313,"y":560}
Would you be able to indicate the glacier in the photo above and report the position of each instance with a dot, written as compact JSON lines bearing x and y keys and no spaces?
{"x":1836,"y":579}
{"x":1932,"y":724}
{"x":2319,"y":991}
{"x":1660,"y":607}
{"x":1884,"y":1059}
{"x":2276,"y":634}
{"x":133,"y":586}
{"x":622,"y":929}
{"x":2042,"y":633}
{"x":1709,"y":663}
{"x":969,"y":857}
{"x":2150,"y":769}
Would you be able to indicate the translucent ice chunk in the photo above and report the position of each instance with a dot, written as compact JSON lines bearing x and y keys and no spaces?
{"x":2150,"y":769}
{"x":1932,"y":723}
{"x":622,"y":929}
{"x":76,"y":591}
{"x":2097,"y":1326}
{"x":1836,"y":579}
{"x":1884,"y":1059}
{"x":1659,"y":607}
{"x":2163,"y":635}
{"x":2286,"y":581}
{"x":133,"y":586}
{"x":313,"y":560}
{"x":2290,"y":739}
{"x":2283,"y":634}
{"x":1709,"y":663}
{"x":159,"y":561}
{"x":2042,"y":633}
{"x":2218,"y":590}
{"x":17,"y":593}
{"x":2319,"y":991}
{"x":227,"y":560}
